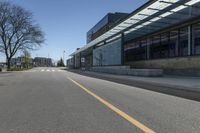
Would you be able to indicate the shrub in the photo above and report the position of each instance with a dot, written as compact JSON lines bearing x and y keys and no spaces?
{"x":18,"y":69}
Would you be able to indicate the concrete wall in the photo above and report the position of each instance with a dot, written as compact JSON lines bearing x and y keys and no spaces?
{"x":192,"y":62}
{"x":109,"y":54}
{"x":124,"y":70}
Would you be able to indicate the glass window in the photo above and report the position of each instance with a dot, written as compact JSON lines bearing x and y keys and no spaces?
{"x":164,"y":48}
{"x":143,"y":48}
{"x":155,"y":47}
{"x":183,"y":41}
{"x":135,"y":51}
{"x":173,"y":44}
{"x":196,"y":39}
{"x":149,"y":43}
{"x":126,"y":47}
{"x":131,"y":51}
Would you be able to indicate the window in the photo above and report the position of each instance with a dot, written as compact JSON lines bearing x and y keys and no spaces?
{"x":131,"y":51}
{"x":183,"y":41}
{"x":155,"y":47}
{"x":135,"y":50}
{"x":149,"y":43}
{"x":173,"y":44}
{"x":196,"y":39}
{"x":143,"y":48}
{"x":164,"y":48}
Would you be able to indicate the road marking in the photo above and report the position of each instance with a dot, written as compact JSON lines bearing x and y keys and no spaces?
{"x":115,"y":109}
{"x":53,"y":70}
{"x":42,"y":70}
{"x":47,"y":70}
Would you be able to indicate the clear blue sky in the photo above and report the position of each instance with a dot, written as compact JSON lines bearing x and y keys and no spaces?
{"x":65,"y":22}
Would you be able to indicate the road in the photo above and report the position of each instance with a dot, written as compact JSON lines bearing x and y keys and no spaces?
{"x":51,"y":100}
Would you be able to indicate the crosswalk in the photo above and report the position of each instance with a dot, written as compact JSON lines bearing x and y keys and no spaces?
{"x":44,"y":70}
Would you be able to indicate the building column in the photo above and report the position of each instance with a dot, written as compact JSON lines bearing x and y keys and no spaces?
{"x":190,"y":34}
{"x":80,"y":60}
{"x":148,"y":45}
{"x":122,"y":50}
{"x":75,"y":61}
{"x":189,"y":40}
{"x":148,"y":50}
{"x":93,"y":56}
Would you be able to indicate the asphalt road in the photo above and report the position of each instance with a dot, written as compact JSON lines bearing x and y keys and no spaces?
{"x":50,"y":100}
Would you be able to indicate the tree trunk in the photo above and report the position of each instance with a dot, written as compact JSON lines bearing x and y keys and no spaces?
{"x":8,"y":64}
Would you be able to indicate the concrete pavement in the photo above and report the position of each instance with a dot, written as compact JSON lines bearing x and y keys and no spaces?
{"x":44,"y":100}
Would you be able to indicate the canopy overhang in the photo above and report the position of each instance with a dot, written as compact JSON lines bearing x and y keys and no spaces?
{"x":152,"y":16}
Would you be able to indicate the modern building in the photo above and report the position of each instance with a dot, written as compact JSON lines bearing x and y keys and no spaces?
{"x":42,"y":62}
{"x":160,"y":34}
{"x":19,"y":62}
{"x":104,"y":25}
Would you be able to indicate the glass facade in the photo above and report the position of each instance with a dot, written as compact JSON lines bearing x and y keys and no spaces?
{"x":164,"y":46}
{"x":136,"y":50}
{"x":174,"y":43}
{"x":196,"y":39}
{"x":104,"y":25}
{"x":143,"y":48}
{"x":155,"y":47}
{"x":183,"y":44}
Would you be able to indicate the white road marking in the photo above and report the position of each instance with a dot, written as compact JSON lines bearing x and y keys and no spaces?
{"x":44,"y":70}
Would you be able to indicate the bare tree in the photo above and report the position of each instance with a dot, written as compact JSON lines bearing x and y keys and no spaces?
{"x":17,"y":31}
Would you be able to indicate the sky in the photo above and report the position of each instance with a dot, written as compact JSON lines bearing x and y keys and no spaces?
{"x":66,"y":22}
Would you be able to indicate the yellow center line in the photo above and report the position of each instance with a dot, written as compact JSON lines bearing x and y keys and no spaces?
{"x":116,"y":110}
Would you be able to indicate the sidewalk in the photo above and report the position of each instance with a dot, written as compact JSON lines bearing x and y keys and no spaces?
{"x":185,"y":83}
{"x":192,"y":83}
{"x":188,"y":84}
